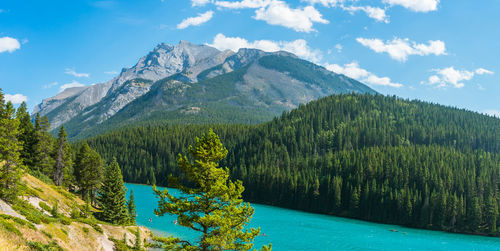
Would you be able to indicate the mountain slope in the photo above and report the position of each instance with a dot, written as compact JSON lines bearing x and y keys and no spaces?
{"x":190,"y":83}
{"x":29,"y":226}
{"x":371,"y":157}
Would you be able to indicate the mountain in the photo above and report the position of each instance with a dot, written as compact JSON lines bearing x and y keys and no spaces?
{"x":371,"y":157}
{"x":189,"y":83}
{"x":163,"y":61}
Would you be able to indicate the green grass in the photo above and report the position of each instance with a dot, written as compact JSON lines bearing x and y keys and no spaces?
{"x":92,"y":222}
{"x":39,"y":246}
{"x":31,"y":213}
{"x":44,"y":206}
{"x":18,"y":221}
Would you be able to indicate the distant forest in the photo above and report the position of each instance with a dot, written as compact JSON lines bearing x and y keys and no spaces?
{"x":370,"y":157}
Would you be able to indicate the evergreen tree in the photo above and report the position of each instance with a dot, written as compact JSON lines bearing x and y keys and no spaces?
{"x":88,"y":171}
{"x":26,"y":135}
{"x":213,"y":206}
{"x":112,"y":195}
{"x":492,"y":213}
{"x":131,"y":207}
{"x":10,"y":163}
{"x":63,"y":165}
{"x":44,"y":146}
{"x":55,"y":210}
{"x":138,"y":241}
{"x":124,"y":239}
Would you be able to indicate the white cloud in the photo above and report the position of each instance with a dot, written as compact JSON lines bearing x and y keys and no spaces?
{"x":494,"y":113}
{"x":415,"y":5}
{"x":298,"y":47}
{"x":199,"y":2}
{"x":250,"y":4}
{"x":451,"y":77}
{"x":339,"y":48}
{"x":196,"y":21}
{"x":47,"y":86}
{"x":399,"y":49}
{"x":16,"y":98}
{"x":353,"y":70}
{"x":72,"y":72}
{"x":481,"y":71}
{"x":9,"y":44}
{"x":372,"y":12}
{"x":276,"y":12}
{"x":111,"y":72}
{"x":300,"y":20}
{"x":326,"y":3}
{"x":70,"y":85}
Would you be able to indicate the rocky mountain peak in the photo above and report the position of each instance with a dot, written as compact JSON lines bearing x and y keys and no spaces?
{"x":242,"y":82}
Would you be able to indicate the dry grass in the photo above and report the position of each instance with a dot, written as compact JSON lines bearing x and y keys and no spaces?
{"x":117,"y":232}
{"x":51,"y":194}
{"x":11,"y":241}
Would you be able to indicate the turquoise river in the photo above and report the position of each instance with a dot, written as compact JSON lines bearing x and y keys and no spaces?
{"x":295,"y":230}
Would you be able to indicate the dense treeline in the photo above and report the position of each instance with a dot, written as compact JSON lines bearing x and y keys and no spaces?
{"x":149,"y":154}
{"x":27,"y":147}
{"x":371,"y":157}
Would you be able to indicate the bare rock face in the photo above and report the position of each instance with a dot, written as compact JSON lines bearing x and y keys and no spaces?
{"x":50,"y":104}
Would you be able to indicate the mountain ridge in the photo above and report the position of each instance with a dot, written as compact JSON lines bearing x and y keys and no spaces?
{"x":191,"y":77}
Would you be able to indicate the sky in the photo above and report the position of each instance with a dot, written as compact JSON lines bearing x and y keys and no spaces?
{"x":440,"y":51}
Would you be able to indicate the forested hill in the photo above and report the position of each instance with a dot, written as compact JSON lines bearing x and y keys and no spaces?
{"x":370,"y":157}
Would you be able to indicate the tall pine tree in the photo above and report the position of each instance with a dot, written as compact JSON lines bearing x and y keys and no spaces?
{"x":10,"y":163}
{"x":88,"y":171}
{"x":62,"y":169}
{"x":44,"y":146}
{"x":213,"y":206}
{"x":131,"y":207}
{"x":112,"y":196}
{"x":26,"y":135}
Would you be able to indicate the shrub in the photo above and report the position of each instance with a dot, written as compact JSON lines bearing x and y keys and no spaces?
{"x":38,"y":246}
{"x":44,"y":206}
{"x":47,"y":234}
{"x":75,"y":213}
{"x":55,"y":210}
{"x":18,"y":221}
{"x":65,"y":221}
{"x":27,"y":210}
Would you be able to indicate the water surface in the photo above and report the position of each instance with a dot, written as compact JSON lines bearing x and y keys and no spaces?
{"x":296,"y":230}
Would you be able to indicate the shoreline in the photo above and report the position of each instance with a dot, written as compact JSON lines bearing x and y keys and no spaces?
{"x":349,"y":218}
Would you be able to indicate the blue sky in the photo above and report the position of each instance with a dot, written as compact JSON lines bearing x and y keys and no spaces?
{"x":439,"y":51}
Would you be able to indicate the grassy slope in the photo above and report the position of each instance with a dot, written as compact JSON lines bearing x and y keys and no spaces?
{"x":69,"y":234}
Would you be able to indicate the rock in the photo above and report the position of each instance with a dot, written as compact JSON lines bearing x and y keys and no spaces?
{"x":7,"y":209}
